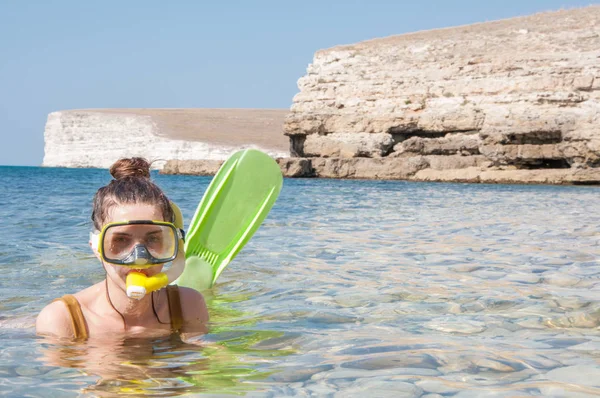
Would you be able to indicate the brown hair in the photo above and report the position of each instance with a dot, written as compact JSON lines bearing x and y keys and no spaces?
{"x":131,"y":184}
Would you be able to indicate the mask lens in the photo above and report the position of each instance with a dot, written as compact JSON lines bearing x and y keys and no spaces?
{"x":119,"y":241}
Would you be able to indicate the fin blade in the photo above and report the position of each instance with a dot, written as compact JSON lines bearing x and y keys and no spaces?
{"x":202,"y":211}
{"x":259,"y":217}
{"x":236,"y":202}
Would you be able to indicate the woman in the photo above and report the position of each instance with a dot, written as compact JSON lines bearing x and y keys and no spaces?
{"x":135,"y":232}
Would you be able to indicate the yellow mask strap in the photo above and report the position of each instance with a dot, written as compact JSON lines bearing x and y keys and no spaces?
{"x":178,"y":222}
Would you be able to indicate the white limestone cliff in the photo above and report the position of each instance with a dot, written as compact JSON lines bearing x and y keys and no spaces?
{"x":97,"y":138}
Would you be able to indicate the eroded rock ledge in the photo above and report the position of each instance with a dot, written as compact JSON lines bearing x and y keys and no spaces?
{"x":516,"y":100}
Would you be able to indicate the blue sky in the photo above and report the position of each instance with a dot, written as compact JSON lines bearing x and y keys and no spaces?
{"x":188,"y":54}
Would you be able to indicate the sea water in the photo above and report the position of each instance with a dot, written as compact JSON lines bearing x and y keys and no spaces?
{"x":349,"y":288}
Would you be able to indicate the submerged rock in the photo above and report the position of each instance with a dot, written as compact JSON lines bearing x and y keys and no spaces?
{"x":456,"y":325}
{"x":580,"y":375}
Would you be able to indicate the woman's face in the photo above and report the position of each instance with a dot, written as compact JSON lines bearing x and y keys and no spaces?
{"x":130,"y":212}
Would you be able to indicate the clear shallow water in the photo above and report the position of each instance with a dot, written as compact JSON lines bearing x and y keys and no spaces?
{"x":350,"y":288}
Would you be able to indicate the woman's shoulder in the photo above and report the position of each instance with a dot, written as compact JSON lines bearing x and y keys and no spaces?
{"x":55,"y":320}
{"x":193,"y":305}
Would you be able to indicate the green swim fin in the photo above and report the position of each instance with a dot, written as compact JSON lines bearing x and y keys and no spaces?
{"x":233,"y":207}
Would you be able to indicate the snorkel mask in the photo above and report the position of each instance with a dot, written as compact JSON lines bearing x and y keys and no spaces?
{"x":143,"y":253}
{"x":137,"y":243}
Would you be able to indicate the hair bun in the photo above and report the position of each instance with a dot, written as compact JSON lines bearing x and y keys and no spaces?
{"x":130,"y":167}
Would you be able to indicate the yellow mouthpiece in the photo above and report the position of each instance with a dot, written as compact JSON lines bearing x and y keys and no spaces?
{"x":138,"y":284}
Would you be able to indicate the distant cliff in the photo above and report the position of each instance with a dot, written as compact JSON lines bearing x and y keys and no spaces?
{"x":96,"y":138}
{"x":516,"y":100}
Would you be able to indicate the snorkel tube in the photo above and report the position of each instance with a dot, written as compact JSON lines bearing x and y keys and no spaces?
{"x":138,"y":284}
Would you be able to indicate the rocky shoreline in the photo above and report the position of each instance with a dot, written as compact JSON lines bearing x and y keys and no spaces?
{"x":400,"y":169}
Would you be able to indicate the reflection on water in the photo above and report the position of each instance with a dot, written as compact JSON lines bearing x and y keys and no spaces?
{"x":169,"y":366}
{"x":350,"y":288}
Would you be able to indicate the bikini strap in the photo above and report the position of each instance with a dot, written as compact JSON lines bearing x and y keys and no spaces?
{"x":78,"y":324}
{"x":174,"y":307}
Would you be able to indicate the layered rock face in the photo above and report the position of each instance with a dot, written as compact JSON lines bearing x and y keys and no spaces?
{"x":97,"y":138}
{"x":513,"y":100}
